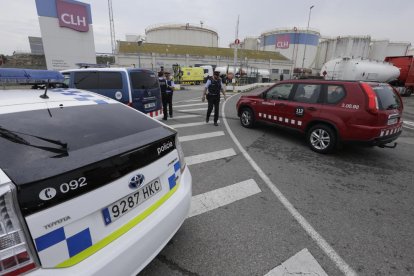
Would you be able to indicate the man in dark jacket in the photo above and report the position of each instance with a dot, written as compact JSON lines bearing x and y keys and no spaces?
{"x":212,"y":89}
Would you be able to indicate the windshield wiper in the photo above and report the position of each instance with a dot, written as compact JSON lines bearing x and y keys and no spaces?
{"x":15,"y":138}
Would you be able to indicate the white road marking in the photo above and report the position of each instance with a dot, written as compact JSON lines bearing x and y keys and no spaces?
{"x":217,"y":198}
{"x":191,"y":110}
{"x":201,"y":136}
{"x":408,"y":123}
{"x":210,"y":156}
{"x":186,"y":105}
{"x":185,"y":116}
{"x":302,"y":263}
{"x":189,"y":124}
{"x":320,"y":241}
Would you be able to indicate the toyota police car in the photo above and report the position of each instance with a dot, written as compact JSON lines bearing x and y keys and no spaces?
{"x":88,"y":186}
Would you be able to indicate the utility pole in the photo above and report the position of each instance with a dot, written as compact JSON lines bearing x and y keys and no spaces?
{"x":306,"y":40}
{"x":236,"y":45}
{"x":112,"y":26}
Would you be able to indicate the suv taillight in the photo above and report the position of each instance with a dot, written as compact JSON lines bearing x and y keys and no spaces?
{"x":15,"y":255}
{"x":372,"y":98}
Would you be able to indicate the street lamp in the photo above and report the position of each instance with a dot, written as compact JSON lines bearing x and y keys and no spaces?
{"x":306,"y":40}
{"x":139,"y":42}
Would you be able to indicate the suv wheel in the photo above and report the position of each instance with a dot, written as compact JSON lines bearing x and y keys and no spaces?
{"x":321,"y":138}
{"x":247,"y":118}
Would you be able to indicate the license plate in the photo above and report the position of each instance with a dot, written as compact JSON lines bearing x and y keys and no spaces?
{"x":149,"y":105}
{"x":119,"y":208}
{"x":392,"y":121}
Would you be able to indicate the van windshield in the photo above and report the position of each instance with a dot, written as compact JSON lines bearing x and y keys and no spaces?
{"x":143,"y":80}
{"x":387,"y":98}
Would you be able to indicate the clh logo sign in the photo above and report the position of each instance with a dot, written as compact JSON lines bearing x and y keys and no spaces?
{"x":282,"y":41}
{"x":72,"y":15}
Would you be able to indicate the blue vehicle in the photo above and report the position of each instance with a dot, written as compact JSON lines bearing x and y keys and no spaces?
{"x":138,"y":88}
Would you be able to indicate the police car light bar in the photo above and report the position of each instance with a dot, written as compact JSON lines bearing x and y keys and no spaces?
{"x":29,"y":76}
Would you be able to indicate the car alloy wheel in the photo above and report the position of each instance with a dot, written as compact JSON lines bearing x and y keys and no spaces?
{"x":321,"y":138}
{"x":246,"y":118}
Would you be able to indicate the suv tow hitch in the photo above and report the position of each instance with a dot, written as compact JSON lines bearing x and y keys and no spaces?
{"x":388,"y":146}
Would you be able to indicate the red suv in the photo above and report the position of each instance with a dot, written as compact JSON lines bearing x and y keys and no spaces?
{"x":328,"y":112}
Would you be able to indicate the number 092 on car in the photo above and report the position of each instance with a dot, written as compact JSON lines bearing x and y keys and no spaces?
{"x":119,"y":208}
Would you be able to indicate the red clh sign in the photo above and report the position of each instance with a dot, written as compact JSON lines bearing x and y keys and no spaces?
{"x":72,"y":15}
{"x":282,"y":41}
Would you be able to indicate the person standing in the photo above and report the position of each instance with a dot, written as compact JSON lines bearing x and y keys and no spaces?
{"x":212,"y":89}
{"x":169,"y":93}
{"x":163,"y":86}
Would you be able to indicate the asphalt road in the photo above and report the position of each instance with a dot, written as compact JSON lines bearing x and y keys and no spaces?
{"x":358,"y":200}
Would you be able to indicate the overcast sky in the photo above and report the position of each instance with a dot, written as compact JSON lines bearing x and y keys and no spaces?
{"x":381,"y":19}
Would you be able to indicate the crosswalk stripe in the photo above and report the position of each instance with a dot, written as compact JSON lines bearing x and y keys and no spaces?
{"x":186,"y":105}
{"x":191,"y":110}
{"x":302,"y":263}
{"x":201,"y":136}
{"x":189,"y":124}
{"x":186,"y":116}
{"x":210,"y":156}
{"x":220,"y":197}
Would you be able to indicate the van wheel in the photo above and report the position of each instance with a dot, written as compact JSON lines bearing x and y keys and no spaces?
{"x":247,"y":117}
{"x":321,"y":138}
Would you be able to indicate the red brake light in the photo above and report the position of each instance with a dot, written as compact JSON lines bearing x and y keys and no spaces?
{"x":372,"y":97}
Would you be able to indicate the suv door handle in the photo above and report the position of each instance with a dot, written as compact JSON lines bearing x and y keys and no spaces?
{"x":280,"y":104}
{"x":311,"y":108}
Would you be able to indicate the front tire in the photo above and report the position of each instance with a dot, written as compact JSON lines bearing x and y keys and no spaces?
{"x":247,"y":117}
{"x":321,"y":138}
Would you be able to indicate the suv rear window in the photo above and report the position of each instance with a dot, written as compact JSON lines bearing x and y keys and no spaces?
{"x":387,"y":98}
{"x":143,"y":80}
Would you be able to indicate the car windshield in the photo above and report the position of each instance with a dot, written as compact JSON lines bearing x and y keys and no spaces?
{"x":387,"y":98}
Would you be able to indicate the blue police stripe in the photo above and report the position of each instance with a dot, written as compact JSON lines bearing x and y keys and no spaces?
{"x":79,"y":242}
{"x":107,"y":216}
{"x":82,"y":99}
{"x":171,"y":181}
{"x":100,"y":102}
{"x":177,"y":166}
{"x":50,"y":239}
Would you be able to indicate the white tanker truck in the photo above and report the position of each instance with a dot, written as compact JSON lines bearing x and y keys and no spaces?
{"x":359,"y":69}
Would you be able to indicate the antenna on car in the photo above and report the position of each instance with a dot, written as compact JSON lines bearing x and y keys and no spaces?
{"x":45,"y":96}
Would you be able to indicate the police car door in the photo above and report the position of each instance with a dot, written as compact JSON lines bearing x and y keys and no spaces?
{"x":304,"y":106}
{"x":274,"y":103}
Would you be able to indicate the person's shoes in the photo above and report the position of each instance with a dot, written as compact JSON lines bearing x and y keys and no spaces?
{"x":215,"y":123}
{"x":171,"y":116}
{"x":206,"y":121}
{"x":164,"y":119}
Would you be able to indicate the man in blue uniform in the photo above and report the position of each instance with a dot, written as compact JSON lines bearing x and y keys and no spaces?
{"x":164,"y":97}
{"x":212,"y":90}
{"x":169,"y":93}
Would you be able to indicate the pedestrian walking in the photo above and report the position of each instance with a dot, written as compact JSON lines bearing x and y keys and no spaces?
{"x":212,"y":89}
{"x":169,"y":93}
{"x":163,"y":86}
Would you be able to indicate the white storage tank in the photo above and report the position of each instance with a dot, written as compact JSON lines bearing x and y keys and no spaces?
{"x":182,"y":34}
{"x":398,"y":49}
{"x":291,"y":43}
{"x":378,"y":49}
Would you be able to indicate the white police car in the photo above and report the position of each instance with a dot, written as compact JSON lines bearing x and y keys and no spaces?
{"x":88,"y":186}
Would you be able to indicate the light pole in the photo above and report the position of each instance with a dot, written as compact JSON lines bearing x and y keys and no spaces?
{"x":306,"y":40}
{"x":139,"y":42}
